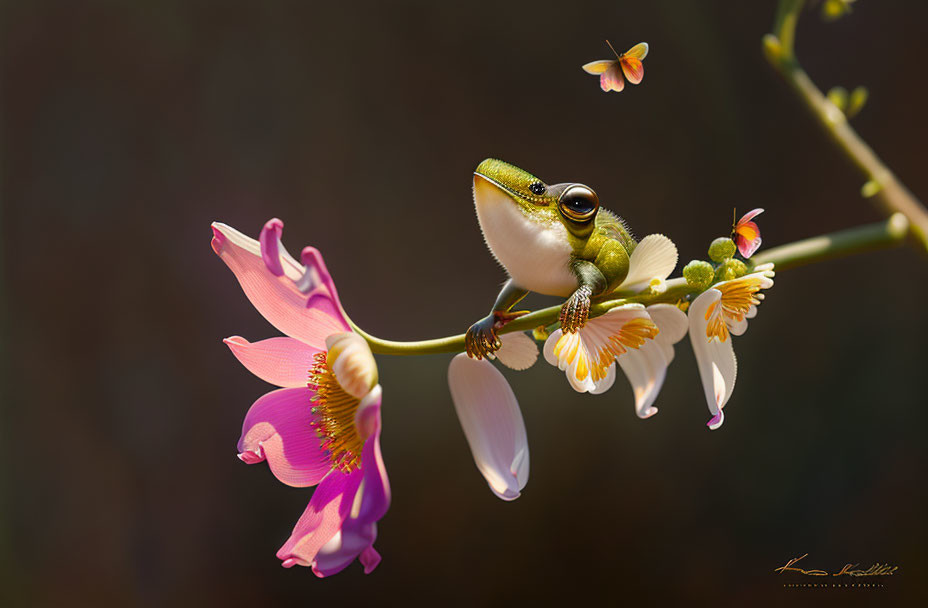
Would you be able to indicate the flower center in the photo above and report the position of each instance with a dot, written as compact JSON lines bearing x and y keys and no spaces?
{"x":334,"y":411}
{"x":737,"y":299}
{"x":604,"y":349}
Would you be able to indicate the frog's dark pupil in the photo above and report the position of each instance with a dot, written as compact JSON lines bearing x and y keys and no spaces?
{"x":537,"y":188}
{"x":580,"y":204}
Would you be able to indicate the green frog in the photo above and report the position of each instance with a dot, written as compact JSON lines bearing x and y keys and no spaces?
{"x":551,"y":239}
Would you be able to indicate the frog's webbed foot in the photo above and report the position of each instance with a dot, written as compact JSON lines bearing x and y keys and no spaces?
{"x":482,"y":339}
{"x":576,"y":310}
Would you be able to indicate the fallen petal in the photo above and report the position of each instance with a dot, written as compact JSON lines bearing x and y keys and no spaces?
{"x":492,"y":422}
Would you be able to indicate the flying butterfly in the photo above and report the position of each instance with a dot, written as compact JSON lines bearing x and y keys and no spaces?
{"x":610,"y":70}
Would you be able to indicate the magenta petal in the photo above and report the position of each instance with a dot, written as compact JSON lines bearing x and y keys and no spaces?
{"x":270,"y":246}
{"x":346,"y":546}
{"x":281,"y":361}
{"x":376,"y":498}
{"x":301,"y":301}
{"x":277,"y":429}
{"x":370,"y":559}
{"x":323,"y":518}
{"x":716,"y":421}
{"x":366,"y":492}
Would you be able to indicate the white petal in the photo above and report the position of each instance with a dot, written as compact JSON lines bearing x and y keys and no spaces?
{"x":654,"y":257}
{"x":645,"y":369}
{"x":736,"y":327}
{"x":518,"y":351}
{"x":550,"y":343}
{"x":670,"y":320}
{"x":606,"y":383}
{"x":352,"y":363}
{"x":492,"y":422}
{"x":585,"y":343}
{"x":716,"y":360}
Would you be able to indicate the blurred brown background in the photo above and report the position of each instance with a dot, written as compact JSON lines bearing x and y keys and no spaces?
{"x":128,"y":127}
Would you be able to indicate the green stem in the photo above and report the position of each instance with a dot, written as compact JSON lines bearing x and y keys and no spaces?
{"x":881,"y":235}
{"x":884,"y":189}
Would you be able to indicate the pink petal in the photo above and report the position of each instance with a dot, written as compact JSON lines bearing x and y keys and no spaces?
{"x":750,"y":215}
{"x":277,"y":429}
{"x":331,"y":536}
{"x":281,"y":361}
{"x":492,"y":422}
{"x":745,"y":247}
{"x":301,"y":301}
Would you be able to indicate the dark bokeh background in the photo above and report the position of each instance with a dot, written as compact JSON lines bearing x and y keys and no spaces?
{"x":128,"y":127}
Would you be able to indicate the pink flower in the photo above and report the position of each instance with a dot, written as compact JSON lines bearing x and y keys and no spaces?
{"x":322,"y":427}
{"x":747,"y":234}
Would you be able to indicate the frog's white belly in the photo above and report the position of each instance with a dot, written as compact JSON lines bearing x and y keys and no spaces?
{"x":536,"y":255}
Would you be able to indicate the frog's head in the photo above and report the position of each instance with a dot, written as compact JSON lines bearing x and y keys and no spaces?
{"x":501,"y":188}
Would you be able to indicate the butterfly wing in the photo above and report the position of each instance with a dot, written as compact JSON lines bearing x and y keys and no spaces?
{"x":639,"y":51}
{"x":633,"y":68}
{"x":611,"y":79}
{"x":597,"y":67}
{"x":748,"y":240}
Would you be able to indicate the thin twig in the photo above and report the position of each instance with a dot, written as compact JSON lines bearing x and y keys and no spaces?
{"x":890,"y":196}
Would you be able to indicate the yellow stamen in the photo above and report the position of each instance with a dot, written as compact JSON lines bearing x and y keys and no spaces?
{"x":582,"y":368}
{"x":715,"y":326}
{"x":333,"y":417}
{"x":738,"y":297}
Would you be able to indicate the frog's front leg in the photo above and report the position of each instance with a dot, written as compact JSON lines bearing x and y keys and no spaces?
{"x":482,"y":339}
{"x":591,"y":282}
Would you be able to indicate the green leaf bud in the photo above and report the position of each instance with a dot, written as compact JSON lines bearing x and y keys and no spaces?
{"x":857,"y":100}
{"x":838,"y":96}
{"x":871,"y":188}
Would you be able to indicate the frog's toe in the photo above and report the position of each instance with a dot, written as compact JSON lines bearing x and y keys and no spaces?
{"x":576,"y":310}
{"x":481,"y":340}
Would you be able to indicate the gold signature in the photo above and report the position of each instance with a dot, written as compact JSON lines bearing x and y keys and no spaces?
{"x":848,"y":569}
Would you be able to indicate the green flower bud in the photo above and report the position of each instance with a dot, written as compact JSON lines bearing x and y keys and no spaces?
{"x":721,"y":249}
{"x":730,"y":269}
{"x":698,"y":274}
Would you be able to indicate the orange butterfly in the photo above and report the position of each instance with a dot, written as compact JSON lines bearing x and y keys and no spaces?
{"x":610,"y":70}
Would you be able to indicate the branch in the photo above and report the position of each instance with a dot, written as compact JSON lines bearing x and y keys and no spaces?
{"x":881,"y":235}
{"x":891,"y":196}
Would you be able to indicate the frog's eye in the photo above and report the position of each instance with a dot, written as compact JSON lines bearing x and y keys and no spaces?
{"x":578,"y":203}
{"x":537,"y":188}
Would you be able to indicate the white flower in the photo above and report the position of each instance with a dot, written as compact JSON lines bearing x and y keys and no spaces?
{"x":627,"y":333}
{"x":588,"y":355}
{"x":719,"y":312}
